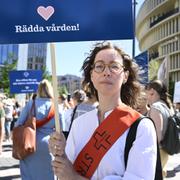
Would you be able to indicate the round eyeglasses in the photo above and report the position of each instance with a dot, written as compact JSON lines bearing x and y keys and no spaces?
{"x":114,"y":67}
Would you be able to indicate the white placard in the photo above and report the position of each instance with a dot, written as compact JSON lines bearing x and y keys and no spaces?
{"x":177,"y":92}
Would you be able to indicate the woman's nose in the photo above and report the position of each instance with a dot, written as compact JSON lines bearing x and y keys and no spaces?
{"x":107,"y":71}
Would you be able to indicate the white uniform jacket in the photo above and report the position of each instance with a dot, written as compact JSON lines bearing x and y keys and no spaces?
{"x":142,"y":156}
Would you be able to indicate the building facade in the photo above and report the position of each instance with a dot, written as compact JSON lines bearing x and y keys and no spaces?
{"x":158,"y":32}
{"x":8,"y":53}
{"x":71,"y":82}
{"x":30,"y":57}
{"x":36,"y":55}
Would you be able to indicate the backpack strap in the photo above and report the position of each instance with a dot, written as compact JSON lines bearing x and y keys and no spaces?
{"x":72,"y":117}
{"x":32,"y":112}
{"x":129,"y":141}
{"x":66,"y":133}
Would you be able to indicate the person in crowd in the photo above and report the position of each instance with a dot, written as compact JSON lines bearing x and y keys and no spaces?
{"x":8,"y":108}
{"x":63,"y":103}
{"x":77,"y":98}
{"x":2,"y":119}
{"x":177,"y":109}
{"x":112,"y":76}
{"x":160,"y":109}
{"x":38,"y":165}
{"x":83,"y":102}
{"x":88,"y":105}
{"x":142,"y":105}
{"x":16,"y":113}
{"x":63,"y":107}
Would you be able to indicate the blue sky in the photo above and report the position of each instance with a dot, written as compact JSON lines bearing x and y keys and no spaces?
{"x":70,"y":55}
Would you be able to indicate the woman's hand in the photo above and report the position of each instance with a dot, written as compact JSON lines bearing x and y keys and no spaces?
{"x":62,"y":167}
{"x":57,"y":143}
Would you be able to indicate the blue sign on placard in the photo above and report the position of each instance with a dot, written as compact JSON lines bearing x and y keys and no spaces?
{"x":142,"y":61}
{"x":24,"y":81}
{"x":27,"y":21}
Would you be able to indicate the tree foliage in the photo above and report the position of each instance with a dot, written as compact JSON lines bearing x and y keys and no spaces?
{"x":46,"y":74}
{"x":171,"y":88}
{"x":4,"y":75}
{"x":62,"y":90}
{"x":153,"y":69}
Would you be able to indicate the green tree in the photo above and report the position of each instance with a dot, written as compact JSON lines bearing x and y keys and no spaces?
{"x":62,"y":90}
{"x":46,"y":74}
{"x":171,"y":88}
{"x":153,"y":69}
{"x":4,"y":75}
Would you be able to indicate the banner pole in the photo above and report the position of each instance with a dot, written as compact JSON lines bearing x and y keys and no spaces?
{"x":134,"y":29}
{"x":54,"y":82}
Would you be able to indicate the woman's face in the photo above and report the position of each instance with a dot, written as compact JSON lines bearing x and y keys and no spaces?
{"x":151,"y":96}
{"x":108,"y":73}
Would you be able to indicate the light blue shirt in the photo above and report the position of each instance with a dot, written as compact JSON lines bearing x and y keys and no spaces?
{"x":38,"y":165}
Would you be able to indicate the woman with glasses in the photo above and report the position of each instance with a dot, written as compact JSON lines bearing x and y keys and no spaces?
{"x":95,"y":147}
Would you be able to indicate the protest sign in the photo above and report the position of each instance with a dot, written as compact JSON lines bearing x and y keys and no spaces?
{"x":27,"y":21}
{"x":177,"y":92}
{"x":60,"y":21}
{"x":24,"y":81}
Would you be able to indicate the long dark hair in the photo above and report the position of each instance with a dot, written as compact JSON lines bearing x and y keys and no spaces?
{"x":161,"y":89}
{"x":130,"y":90}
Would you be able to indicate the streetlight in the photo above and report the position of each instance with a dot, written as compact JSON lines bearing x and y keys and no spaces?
{"x":134,"y":27}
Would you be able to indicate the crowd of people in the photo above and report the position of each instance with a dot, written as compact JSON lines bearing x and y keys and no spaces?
{"x":92,"y":119}
{"x":34,"y":166}
{"x":9,"y":113}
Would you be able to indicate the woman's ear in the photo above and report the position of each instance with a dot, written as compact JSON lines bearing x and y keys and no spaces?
{"x":152,"y":91}
{"x":126,"y":75}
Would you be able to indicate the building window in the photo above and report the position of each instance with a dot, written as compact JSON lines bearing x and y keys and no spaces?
{"x":30,"y":66}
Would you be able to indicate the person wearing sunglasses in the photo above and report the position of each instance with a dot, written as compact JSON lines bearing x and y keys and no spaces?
{"x":96,"y":143}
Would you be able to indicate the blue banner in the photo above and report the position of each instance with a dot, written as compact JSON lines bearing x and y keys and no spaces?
{"x":24,"y":81}
{"x":142,"y":61}
{"x":27,"y":21}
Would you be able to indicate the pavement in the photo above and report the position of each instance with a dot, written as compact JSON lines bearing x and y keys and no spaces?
{"x":9,"y":167}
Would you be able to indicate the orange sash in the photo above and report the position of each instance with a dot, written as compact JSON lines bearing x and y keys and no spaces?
{"x":118,"y":121}
{"x":47,"y":118}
